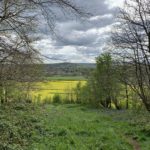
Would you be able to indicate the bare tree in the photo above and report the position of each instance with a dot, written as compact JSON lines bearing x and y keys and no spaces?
{"x":131,"y":38}
{"x":19,"y":21}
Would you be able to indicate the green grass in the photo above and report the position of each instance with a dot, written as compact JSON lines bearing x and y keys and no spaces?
{"x":71,"y":127}
{"x":64,"y":78}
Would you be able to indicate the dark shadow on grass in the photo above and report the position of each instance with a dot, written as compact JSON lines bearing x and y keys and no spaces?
{"x":73,"y":105}
{"x":83,"y":133}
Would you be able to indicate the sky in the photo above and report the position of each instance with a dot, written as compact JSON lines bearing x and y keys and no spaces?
{"x":79,"y":40}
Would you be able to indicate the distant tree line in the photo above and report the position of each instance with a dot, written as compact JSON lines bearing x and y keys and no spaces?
{"x":67,"y":69}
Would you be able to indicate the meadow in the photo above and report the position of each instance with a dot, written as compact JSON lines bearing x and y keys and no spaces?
{"x":71,"y":127}
{"x":56,"y":85}
{"x":60,"y":126}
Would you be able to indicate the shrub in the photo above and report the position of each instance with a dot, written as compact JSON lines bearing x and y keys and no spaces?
{"x":47,"y":100}
{"x":57,"y":98}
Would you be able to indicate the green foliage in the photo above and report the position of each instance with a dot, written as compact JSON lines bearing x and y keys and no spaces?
{"x":77,"y":91}
{"x":16,"y":128}
{"x":57,"y":99}
{"x":103,"y":86}
{"x":47,"y":100}
{"x":106,"y":82}
{"x":70,"y":126}
{"x":84,"y":94}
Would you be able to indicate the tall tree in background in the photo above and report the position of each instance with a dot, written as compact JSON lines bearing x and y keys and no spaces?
{"x":131,"y":39}
{"x":103,"y":86}
{"x":106,"y":81}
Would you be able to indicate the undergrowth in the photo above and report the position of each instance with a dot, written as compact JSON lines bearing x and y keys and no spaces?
{"x":27,"y":126}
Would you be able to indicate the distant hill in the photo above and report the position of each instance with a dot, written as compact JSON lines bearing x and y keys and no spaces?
{"x":68,"y":69}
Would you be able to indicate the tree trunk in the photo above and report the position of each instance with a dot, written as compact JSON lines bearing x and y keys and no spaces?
{"x":108,"y":102}
{"x":146,"y":103}
{"x":116,"y":104}
{"x":127,"y":97}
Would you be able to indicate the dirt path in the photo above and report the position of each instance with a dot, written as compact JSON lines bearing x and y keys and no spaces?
{"x":135,"y":144}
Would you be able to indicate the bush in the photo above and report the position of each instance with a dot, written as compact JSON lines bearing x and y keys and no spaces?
{"x":57,"y":99}
{"x":47,"y":100}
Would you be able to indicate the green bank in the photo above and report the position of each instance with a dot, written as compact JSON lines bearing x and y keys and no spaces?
{"x":25,"y":126}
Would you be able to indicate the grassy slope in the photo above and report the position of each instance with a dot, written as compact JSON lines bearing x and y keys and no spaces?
{"x":71,"y":127}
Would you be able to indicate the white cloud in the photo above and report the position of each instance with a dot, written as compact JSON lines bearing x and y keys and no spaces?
{"x":79,"y":41}
{"x":115,"y":3}
{"x":101,"y":17}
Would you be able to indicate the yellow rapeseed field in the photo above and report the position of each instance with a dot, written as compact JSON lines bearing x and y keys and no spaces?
{"x":46,"y":90}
